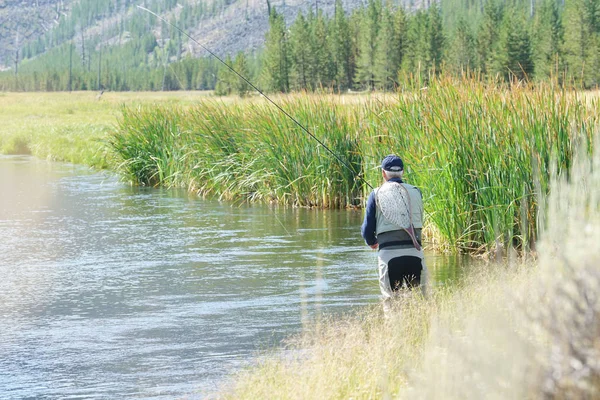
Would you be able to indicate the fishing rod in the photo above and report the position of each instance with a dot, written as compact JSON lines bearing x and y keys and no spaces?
{"x":344,"y":163}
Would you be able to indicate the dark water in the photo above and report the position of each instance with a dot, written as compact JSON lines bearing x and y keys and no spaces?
{"x":109,"y":291}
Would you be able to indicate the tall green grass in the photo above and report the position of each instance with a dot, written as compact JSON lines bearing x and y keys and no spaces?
{"x":245,"y":150}
{"x":474,"y":150}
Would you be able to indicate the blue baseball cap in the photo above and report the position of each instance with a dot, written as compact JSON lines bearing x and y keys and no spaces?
{"x":392,"y":163}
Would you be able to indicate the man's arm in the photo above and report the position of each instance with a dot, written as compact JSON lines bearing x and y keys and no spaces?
{"x":369,"y":225}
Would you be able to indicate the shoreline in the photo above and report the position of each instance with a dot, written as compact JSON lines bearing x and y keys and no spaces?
{"x":481,"y":156}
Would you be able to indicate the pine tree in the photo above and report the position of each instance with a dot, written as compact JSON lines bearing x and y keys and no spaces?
{"x":462,"y":51}
{"x":369,"y":30}
{"x":387,"y":52}
{"x":436,"y":38}
{"x":322,"y":62}
{"x":577,"y":39}
{"x":489,"y":37}
{"x":514,"y":52}
{"x":582,"y":40}
{"x":400,"y":30}
{"x":415,"y":63}
{"x":224,"y":85}
{"x":341,"y":45}
{"x":241,"y":87}
{"x":548,"y":40}
{"x":276,"y":66}
{"x":300,"y":53}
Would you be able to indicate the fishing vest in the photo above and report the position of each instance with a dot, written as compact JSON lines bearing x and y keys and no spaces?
{"x":388,"y":232}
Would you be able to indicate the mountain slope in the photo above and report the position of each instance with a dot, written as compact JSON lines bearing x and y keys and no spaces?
{"x":224,"y":26}
{"x":22,"y":21}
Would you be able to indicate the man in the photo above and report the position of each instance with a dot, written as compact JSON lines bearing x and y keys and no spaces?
{"x":400,"y":263}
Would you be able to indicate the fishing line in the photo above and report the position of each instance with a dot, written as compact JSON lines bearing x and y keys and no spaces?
{"x":344,"y":163}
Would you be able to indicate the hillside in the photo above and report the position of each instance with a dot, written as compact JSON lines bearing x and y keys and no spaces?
{"x":24,"y":20}
{"x":371,"y":45}
{"x":242,"y":25}
{"x":225,"y":26}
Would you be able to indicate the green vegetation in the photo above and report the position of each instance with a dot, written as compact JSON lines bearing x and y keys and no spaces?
{"x":376,"y":46}
{"x":112,"y":45}
{"x":244,"y":150}
{"x":482,"y":154}
{"x":64,"y":127}
{"x":73,"y":127}
{"x":386,"y":47}
{"x":513,"y":331}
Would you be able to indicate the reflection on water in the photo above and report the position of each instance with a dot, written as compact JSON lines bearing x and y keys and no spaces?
{"x":445,"y":268}
{"x":111,"y":291}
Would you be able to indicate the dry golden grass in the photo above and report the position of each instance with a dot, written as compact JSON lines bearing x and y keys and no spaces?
{"x":454,"y":344}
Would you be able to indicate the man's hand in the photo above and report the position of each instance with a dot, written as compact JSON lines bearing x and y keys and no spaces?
{"x":375,"y":246}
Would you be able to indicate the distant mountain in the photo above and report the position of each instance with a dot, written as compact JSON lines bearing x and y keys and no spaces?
{"x":64,"y":45}
{"x":242,"y":25}
{"x":24,"y":20}
{"x":225,"y":26}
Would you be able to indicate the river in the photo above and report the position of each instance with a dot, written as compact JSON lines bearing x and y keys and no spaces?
{"x":112,"y":291}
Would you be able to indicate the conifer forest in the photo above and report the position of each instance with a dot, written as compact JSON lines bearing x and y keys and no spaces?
{"x":376,"y":45}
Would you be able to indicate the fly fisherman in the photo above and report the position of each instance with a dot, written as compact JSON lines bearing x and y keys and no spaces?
{"x":401,"y":259}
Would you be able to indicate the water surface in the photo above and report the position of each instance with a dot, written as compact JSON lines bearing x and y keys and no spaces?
{"x":111,"y":291}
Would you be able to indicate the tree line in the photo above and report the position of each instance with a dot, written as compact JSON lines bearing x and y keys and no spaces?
{"x":383,"y":47}
{"x":378,"y":46}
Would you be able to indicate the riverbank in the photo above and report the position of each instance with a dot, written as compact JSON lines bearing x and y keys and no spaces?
{"x":516,"y":330}
{"x":481,"y":154}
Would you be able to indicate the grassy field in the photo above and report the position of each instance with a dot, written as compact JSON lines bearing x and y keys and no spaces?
{"x":516,"y":331}
{"x":73,"y":127}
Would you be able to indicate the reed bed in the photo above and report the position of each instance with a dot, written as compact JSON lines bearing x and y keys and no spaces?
{"x":481,"y":154}
{"x":244,"y":150}
{"x":515,"y":330}
{"x":477,"y":152}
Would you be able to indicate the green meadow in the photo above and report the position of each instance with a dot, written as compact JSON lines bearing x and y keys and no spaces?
{"x":72,"y":127}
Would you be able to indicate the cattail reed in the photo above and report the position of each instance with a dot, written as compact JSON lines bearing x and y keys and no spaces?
{"x":471,"y":148}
